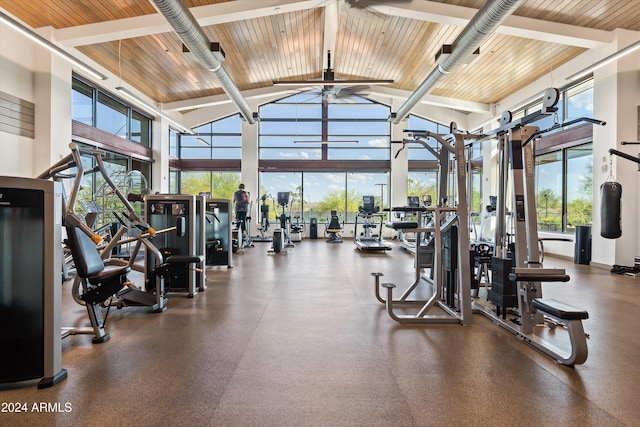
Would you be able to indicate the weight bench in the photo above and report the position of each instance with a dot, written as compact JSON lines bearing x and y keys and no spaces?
{"x":401,"y":225}
{"x":564,"y":314}
{"x":572,"y":318}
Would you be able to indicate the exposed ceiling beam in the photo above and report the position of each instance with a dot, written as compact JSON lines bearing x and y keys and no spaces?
{"x":518,"y":26}
{"x":218,"y":13}
{"x":267,"y":94}
{"x":330,"y":30}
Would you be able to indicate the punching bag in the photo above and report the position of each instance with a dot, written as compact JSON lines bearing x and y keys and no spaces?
{"x":610,"y":207}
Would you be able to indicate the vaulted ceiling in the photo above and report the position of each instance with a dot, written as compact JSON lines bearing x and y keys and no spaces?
{"x":267,"y":40}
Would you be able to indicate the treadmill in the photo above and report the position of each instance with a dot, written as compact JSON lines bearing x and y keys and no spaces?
{"x":370,"y":220}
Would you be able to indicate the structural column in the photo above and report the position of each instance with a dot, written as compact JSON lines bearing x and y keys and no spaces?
{"x":616,"y":89}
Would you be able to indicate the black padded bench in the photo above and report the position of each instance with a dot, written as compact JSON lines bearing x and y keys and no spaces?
{"x":401,"y":225}
{"x":559,"y":309}
{"x":572,"y":318}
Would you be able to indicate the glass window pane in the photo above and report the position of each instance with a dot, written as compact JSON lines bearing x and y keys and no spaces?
{"x":226,"y":153}
{"x":231,"y":124}
{"x":357,"y":154}
{"x":195,"y":182}
{"x":423,"y":183}
{"x":289,"y":127}
{"x":417,"y":151}
{"x":548,"y":177}
{"x":290,"y":154}
{"x":140,"y":129}
{"x":324,"y":192}
{"x":580,"y":100}
{"x":358,"y":128}
{"x":271,"y":183}
{"x":216,"y":137}
{"x":195,"y":153}
{"x":579,"y":186}
{"x":218,"y":184}
{"x":361,"y":184}
{"x":82,"y":103}
{"x":173,"y":143}
{"x":111,"y":116}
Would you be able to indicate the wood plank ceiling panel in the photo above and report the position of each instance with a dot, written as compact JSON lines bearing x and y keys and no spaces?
{"x":600,"y":14}
{"x":369,"y":45}
{"x":498,"y":72}
{"x":69,"y":13}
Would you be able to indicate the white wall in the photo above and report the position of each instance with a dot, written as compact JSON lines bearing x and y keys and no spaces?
{"x":17,"y":79}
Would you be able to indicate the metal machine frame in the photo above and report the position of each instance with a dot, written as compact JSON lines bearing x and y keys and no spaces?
{"x":450,"y":291}
{"x":516,"y":161}
{"x":193,"y":242}
{"x":42,"y":338}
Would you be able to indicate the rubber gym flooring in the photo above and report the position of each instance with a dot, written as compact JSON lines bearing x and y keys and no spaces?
{"x":298,"y":339}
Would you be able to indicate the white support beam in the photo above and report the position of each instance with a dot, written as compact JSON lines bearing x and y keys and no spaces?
{"x":330,"y":30}
{"x":217,"y":13}
{"x":518,"y":26}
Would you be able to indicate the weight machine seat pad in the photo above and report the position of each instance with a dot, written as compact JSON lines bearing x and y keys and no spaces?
{"x":559,"y":309}
{"x":538,"y":278}
{"x":401,"y":225}
{"x":108,"y":273}
{"x":184,"y":259}
{"x":334,"y":230}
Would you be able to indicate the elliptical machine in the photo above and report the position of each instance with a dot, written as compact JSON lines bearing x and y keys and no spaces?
{"x":281,"y":238}
{"x":263,"y":229}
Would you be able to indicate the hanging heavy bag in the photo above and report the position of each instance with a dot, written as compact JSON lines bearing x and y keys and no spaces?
{"x":610,"y":207}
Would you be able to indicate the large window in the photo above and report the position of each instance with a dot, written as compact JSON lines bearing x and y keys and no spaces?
{"x":289,"y":127}
{"x":220,"y":139}
{"x":324,"y":192}
{"x":316,"y":194}
{"x":219,"y":185}
{"x":563,"y":188}
{"x":417,"y":151}
{"x":303,"y":127}
{"x":363,"y":128}
{"x":576,"y":101}
{"x":100,"y":110}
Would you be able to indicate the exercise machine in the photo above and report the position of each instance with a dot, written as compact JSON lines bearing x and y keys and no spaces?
{"x":30,"y":281}
{"x":297,"y":229}
{"x":83,"y":291}
{"x":263,"y":229}
{"x":240,"y":232}
{"x":442,"y":246}
{"x":404,"y":225}
{"x":163,"y":210}
{"x":333,"y":229}
{"x":516,"y":295}
{"x":281,"y":238}
{"x":218,"y":233}
{"x":370,"y":239}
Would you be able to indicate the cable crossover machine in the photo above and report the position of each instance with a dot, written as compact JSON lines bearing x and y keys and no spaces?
{"x":515,"y":301}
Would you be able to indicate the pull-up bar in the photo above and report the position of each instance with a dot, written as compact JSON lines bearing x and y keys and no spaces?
{"x":624,"y":155}
{"x":559,"y":125}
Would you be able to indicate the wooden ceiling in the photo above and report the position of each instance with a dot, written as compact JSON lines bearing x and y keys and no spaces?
{"x":267,"y":40}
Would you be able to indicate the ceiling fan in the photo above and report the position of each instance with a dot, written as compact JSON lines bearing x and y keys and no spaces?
{"x":336,"y":89}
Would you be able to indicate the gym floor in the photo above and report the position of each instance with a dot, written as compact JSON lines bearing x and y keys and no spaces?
{"x":298,"y":339}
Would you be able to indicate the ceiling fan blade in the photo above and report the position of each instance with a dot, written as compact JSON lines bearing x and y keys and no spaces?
{"x":361,"y":4}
